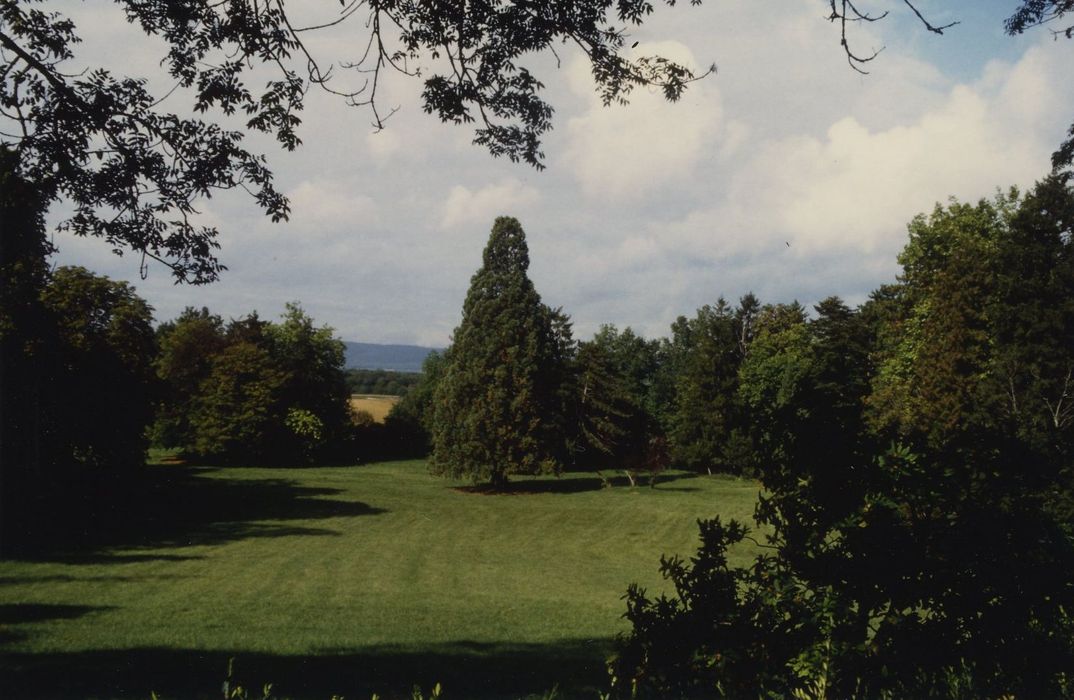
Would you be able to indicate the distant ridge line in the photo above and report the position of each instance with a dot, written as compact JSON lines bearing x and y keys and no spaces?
{"x":386,"y":356}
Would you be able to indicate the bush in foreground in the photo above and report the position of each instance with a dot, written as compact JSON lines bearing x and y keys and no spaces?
{"x":917,"y":539}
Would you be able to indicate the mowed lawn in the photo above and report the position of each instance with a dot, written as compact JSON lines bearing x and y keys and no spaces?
{"x":345,"y":580}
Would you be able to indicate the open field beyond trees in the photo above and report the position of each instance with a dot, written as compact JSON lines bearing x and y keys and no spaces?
{"x":346,"y":580}
{"x":375,"y":405}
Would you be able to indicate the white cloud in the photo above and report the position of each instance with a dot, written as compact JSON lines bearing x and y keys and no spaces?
{"x":839,"y":195}
{"x":319,"y":206}
{"x":465,"y":206}
{"x":854,"y":189}
{"x":638,"y":150}
{"x":384,"y":144}
{"x":646,"y":211}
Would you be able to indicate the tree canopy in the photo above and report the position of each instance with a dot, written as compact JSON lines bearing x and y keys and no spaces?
{"x":252,"y":390}
{"x":915,"y":459}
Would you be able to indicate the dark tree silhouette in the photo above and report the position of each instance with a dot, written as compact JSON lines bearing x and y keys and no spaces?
{"x":497,"y":406}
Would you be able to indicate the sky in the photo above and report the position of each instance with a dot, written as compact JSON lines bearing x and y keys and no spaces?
{"x":786,"y":173}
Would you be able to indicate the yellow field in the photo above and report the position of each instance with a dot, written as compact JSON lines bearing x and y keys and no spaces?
{"x":376,"y":406}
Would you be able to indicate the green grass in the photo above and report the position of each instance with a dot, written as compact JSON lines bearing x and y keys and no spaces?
{"x":344,"y":580}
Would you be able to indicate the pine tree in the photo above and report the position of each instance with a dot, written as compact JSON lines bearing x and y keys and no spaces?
{"x":708,"y":355}
{"x":497,"y":406}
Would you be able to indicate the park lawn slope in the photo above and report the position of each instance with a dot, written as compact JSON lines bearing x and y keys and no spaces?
{"x":331,"y":579}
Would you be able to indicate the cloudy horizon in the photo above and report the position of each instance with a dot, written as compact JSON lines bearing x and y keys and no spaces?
{"x":785,"y":174}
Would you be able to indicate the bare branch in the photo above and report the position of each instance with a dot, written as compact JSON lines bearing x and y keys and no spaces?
{"x":854,"y":15}
{"x":928,"y":26}
{"x":344,"y":16}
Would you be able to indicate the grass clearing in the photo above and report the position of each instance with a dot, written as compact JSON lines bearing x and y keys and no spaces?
{"x":346,"y":580}
{"x":378,"y":406}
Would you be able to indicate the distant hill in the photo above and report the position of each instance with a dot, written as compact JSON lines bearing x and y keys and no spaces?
{"x":397,"y":358}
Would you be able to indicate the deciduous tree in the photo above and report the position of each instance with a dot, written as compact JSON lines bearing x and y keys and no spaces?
{"x":934,"y":376}
{"x":238,"y":414}
{"x":313,"y":361}
{"x":927,"y":558}
{"x":187,"y":347}
{"x":77,"y":389}
{"x":287,"y":400}
{"x":107,"y":345}
{"x":25,"y":337}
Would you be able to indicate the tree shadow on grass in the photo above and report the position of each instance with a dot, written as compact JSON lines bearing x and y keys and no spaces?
{"x":21,"y":613}
{"x":168,"y":506}
{"x":13,"y":614}
{"x":83,"y":578}
{"x":576,"y":668}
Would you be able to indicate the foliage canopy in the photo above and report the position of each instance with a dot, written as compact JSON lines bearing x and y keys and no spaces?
{"x":917,"y":481}
{"x":252,"y":390}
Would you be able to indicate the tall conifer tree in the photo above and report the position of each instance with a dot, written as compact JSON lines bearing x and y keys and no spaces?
{"x":496,"y":409}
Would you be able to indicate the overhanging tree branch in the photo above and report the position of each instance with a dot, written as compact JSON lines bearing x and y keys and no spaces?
{"x":88,"y":140}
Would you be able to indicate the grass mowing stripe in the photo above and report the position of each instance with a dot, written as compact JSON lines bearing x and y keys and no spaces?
{"x":378,"y":565}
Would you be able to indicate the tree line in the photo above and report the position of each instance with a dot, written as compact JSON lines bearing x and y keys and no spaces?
{"x":916,"y":464}
{"x":916,"y":518}
{"x":914,"y":453}
{"x":381,"y":382}
{"x":89,"y":383}
{"x":252,"y":391}
{"x":905,"y":362}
